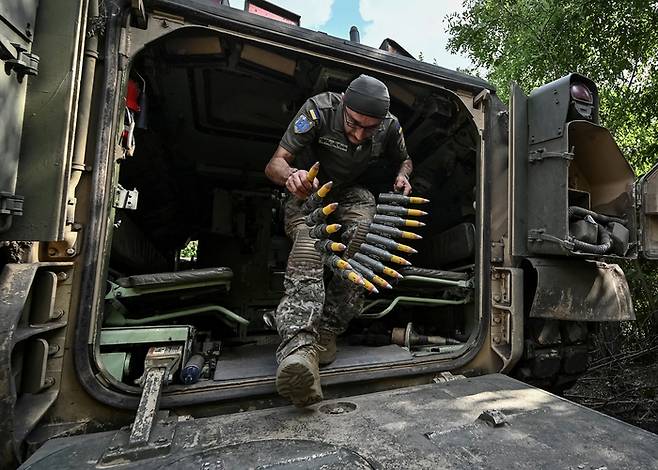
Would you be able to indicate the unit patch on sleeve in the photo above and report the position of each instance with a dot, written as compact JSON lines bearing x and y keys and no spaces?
{"x":302,"y":124}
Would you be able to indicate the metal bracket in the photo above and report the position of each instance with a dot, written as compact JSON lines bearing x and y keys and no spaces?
{"x":539,"y":235}
{"x":507,"y":315}
{"x":148,"y":437}
{"x":444,"y":377}
{"x":22,"y":62}
{"x":162,"y":437}
{"x":541,"y":154}
{"x":125,"y":198}
{"x":10,"y":204}
{"x":497,"y":252}
{"x":493,"y":418}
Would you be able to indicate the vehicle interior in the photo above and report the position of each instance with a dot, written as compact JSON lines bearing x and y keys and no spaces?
{"x":199,"y":263}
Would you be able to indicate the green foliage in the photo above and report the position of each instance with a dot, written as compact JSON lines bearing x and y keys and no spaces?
{"x":190,"y":250}
{"x":614,"y":43}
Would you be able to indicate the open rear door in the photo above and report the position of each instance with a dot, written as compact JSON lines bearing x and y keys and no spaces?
{"x":41,"y":46}
{"x":647,"y":194}
{"x":41,"y":49}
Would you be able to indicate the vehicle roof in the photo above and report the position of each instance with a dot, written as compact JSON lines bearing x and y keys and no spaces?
{"x":317,"y":41}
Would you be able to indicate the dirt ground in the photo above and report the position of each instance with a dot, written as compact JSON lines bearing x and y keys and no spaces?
{"x":624,"y":386}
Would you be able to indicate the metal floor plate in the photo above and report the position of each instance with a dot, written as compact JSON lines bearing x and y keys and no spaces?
{"x":251,"y":362}
{"x":434,"y":426}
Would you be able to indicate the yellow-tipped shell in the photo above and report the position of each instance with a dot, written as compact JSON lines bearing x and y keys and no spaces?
{"x":355,"y":278}
{"x":414,"y":223}
{"x":415,"y":212}
{"x":381,"y":282}
{"x":406,"y":249}
{"x":400,"y":260}
{"x":392,"y":272}
{"x":370,"y":287}
{"x":335,"y":246}
{"x":329,"y":208}
{"x":313,"y":172}
{"x":410,"y":235}
{"x":418,"y":200}
{"x":325,"y":188}
{"x":342,"y":264}
{"x":333,"y":228}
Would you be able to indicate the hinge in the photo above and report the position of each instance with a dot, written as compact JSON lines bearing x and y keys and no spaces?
{"x":125,"y":199}
{"x":497,"y":252}
{"x":507,"y":315}
{"x":444,"y":377}
{"x":541,"y":154}
{"x":10,"y":204}
{"x":22,"y":62}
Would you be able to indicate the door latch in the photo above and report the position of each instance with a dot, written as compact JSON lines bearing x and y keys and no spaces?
{"x":125,"y":198}
{"x":18,"y":60}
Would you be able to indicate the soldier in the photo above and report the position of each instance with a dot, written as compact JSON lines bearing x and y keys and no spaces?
{"x":355,"y":138}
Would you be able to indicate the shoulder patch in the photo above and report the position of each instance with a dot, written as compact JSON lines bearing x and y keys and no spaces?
{"x":302,"y":124}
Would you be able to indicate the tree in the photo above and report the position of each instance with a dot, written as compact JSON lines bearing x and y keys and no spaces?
{"x":613,"y":42}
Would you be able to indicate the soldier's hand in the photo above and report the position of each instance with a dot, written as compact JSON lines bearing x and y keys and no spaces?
{"x":299,"y":185}
{"x":402,"y":185}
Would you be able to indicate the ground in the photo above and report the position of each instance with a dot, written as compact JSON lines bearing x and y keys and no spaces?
{"x":624,"y":385}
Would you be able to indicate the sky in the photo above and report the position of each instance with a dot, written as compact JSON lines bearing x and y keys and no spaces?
{"x":417,"y":25}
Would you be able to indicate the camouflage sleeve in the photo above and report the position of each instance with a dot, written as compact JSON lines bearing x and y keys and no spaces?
{"x":302,"y":130}
{"x":396,"y":149}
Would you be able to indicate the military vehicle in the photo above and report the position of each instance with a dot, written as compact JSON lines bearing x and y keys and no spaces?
{"x":144,"y":251}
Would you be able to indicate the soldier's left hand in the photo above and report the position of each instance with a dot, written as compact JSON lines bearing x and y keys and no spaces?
{"x":402,"y":185}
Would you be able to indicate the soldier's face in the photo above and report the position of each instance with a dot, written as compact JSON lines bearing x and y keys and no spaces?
{"x":359,"y":127}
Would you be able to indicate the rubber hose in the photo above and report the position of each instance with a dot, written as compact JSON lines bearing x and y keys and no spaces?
{"x":600,"y":249}
{"x":581,"y":213}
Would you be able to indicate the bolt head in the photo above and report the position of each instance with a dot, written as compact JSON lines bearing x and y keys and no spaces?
{"x":70,"y":251}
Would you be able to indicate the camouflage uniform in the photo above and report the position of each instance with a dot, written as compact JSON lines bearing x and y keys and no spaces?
{"x":317,"y":134}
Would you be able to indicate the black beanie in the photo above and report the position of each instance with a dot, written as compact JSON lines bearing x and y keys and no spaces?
{"x":367,"y":95}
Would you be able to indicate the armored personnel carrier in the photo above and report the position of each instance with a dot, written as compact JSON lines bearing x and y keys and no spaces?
{"x":145,"y":251}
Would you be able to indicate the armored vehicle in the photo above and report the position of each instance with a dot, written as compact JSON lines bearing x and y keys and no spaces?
{"x":144,"y":249}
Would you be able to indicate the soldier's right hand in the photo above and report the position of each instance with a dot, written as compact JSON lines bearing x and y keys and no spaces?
{"x":299,"y":185}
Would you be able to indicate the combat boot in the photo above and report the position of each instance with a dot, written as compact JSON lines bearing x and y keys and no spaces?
{"x":298,"y":377}
{"x":327,"y":347}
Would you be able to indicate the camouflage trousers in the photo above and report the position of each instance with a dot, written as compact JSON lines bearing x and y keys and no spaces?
{"x":309,"y":305}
